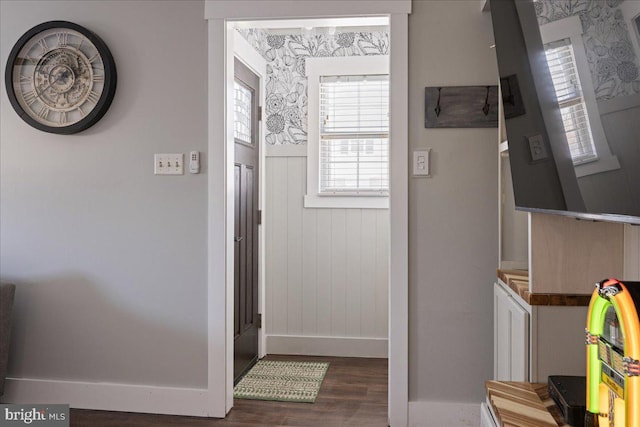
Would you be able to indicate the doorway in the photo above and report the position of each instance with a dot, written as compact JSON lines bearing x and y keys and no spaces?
{"x":326,"y":287}
{"x":220,"y":300}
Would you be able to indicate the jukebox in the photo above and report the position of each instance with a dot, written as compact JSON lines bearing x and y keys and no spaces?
{"x":613,"y":354}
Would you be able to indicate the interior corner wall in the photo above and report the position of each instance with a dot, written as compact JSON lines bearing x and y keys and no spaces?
{"x":110,"y":261}
{"x":453,"y":216}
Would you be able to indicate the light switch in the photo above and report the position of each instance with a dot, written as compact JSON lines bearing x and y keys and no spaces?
{"x":168,"y":164}
{"x":537,"y":147}
{"x":421,"y":162}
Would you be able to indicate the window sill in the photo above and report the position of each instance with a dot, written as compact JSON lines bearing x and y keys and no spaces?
{"x":346,"y":202}
{"x":603,"y":164}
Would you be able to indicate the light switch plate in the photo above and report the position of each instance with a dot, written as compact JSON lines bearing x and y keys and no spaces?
{"x":168,"y":163}
{"x":421,"y":162}
{"x":537,"y":147}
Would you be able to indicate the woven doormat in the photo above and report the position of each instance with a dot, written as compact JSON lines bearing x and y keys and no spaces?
{"x":282,"y":381}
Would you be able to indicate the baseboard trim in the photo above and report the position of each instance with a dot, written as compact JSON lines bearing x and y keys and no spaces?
{"x":450,"y":414}
{"x":109,"y":396}
{"x":327,"y":346}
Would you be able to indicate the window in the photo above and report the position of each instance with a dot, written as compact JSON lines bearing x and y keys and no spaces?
{"x":354,"y":134}
{"x":243,"y":98}
{"x":573,"y":85}
{"x":348,"y":132}
{"x":562,"y":65}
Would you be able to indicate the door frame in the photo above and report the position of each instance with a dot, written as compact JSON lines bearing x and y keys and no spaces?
{"x":221,"y":191}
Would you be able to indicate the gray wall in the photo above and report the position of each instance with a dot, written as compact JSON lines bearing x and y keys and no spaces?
{"x":453,"y":215}
{"x":110,"y":260}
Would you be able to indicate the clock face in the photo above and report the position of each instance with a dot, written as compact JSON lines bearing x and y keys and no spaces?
{"x":60,"y":77}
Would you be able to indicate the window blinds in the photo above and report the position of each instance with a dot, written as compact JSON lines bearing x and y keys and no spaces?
{"x":564,"y":73}
{"x":242,"y":113}
{"x":354,"y":134}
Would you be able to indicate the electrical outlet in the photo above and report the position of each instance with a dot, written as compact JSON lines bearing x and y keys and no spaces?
{"x":168,"y":164}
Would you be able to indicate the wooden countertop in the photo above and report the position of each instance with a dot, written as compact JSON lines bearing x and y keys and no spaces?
{"x":518,"y":404}
{"x":518,"y":281}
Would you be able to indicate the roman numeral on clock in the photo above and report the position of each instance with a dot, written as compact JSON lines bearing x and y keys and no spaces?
{"x":30,"y":97}
{"x":44,"y":112}
{"x":43,"y":45}
{"x":93,"y":97}
{"x":63,"y":38}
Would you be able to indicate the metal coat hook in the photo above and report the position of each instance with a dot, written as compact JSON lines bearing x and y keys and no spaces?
{"x":460,"y":106}
{"x":509,"y":98}
{"x":487,"y":106}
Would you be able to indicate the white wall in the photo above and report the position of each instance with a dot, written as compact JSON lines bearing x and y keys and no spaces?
{"x":326,"y":270}
{"x":110,"y":260}
{"x":452,"y":215}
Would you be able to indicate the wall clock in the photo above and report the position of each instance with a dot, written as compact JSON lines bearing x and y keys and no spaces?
{"x":60,"y":77}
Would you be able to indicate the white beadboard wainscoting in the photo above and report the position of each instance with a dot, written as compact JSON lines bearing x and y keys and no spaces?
{"x":326,"y":271}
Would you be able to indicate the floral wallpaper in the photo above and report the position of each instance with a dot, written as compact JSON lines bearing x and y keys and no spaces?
{"x":612,"y":60}
{"x":286,"y":85}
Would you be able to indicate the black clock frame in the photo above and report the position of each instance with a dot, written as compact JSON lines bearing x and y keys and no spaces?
{"x":106,"y":97}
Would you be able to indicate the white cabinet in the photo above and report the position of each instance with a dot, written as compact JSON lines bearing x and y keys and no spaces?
{"x":511,"y":337}
{"x":532,"y":342}
{"x":561,"y":257}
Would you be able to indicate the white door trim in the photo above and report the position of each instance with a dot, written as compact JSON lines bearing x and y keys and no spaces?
{"x":399,"y":222}
{"x":218,"y":341}
{"x":220,"y":187}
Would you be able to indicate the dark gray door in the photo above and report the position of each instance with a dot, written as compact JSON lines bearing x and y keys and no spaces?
{"x":246,"y":95}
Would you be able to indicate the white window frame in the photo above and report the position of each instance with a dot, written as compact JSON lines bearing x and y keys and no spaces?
{"x":571,"y":28}
{"x":571,"y":100}
{"x":333,"y":66}
{"x":631,"y":14}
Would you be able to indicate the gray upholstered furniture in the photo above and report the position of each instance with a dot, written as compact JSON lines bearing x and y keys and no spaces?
{"x":7,"y":292}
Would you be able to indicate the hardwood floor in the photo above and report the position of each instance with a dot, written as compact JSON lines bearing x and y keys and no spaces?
{"x":354,"y":393}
